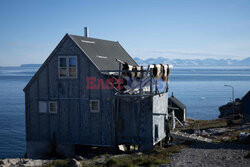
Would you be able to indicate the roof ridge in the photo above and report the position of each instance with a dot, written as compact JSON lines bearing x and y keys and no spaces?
{"x":92,"y":38}
{"x":46,"y":61}
{"x":126,"y":52}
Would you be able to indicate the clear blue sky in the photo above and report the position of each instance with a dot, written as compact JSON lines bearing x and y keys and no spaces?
{"x":31,"y":29}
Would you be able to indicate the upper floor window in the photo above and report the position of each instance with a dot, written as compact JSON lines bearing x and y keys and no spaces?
{"x":67,"y":66}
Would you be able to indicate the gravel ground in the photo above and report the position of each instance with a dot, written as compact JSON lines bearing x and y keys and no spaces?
{"x":209,"y":154}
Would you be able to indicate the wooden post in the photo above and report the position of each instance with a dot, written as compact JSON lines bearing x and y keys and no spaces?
{"x":119,"y":69}
{"x":156,"y":88}
{"x":141,"y":73}
{"x":151,"y":84}
{"x":173,"y":120}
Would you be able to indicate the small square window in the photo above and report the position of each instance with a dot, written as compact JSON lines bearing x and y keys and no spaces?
{"x":67,"y":66}
{"x":53,"y":107}
{"x":94,"y":106}
{"x":42,"y":107}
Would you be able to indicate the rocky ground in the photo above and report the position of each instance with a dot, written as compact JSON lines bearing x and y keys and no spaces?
{"x":21,"y":162}
{"x":227,"y":149}
{"x":199,"y":154}
{"x":210,"y":154}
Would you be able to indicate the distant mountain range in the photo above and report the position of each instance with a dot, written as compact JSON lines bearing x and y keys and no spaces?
{"x":30,"y":65}
{"x":194,"y":62}
{"x":183,"y":62}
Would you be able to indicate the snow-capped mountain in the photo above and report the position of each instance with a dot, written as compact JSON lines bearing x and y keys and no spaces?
{"x":194,"y":62}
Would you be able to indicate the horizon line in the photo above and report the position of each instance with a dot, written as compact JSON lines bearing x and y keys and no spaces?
{"x":138,"y":58}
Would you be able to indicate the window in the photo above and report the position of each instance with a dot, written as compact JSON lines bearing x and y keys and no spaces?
{"x":53,"y":107}
{"x":63,"y":67}
{"x":72,"y":66}
{"x":94,"y":106}
{"x":67,"y":66}
{"x":42,"y":106}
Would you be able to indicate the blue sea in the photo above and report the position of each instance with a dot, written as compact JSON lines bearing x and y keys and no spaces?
{"x":201,"y":89}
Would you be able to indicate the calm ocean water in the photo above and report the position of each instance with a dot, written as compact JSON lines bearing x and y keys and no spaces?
{"x":200,"y":89}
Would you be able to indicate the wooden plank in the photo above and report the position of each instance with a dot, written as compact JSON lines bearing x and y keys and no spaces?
{"x":34,"y":134}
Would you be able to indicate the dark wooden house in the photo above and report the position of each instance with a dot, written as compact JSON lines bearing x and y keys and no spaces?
{"x":179,"y":108}
{"x":64,"y":110}
{"x":246,"y":107}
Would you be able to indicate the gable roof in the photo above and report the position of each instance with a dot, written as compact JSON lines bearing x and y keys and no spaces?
{"x":96,"y":54}
{"x":46,"y":62}
{"x":177,"y":102}
{"x":103,"y":53}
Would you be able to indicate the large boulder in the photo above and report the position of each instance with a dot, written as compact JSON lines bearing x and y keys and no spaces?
{"x":226,"y":111}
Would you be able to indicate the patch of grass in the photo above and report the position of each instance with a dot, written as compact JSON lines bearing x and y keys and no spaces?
{"x":132,"y":160}
{"x":111,"y":162}
{"x":57,"y":163}
{"x":156,"y":157}
{"x":206,"y":124}
{"x":159,"y":155}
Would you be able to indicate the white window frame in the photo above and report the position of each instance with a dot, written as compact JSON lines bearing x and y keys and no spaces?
{"x":39,"y":107}
{"x":67,"y":67}
{"x":95,"y":111}
{"x":52,"y":112}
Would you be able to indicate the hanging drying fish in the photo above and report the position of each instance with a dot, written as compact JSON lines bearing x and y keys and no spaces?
{"x":157,"y":71}
{"x":138,"y":72}
{"x":125,"y":68}
{"x":128,"y":68}
{"x":133,"y":71}
{"x":166,"y":72}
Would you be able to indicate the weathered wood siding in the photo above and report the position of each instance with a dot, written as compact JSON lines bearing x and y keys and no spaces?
{"x":160,"y":112}
{"x":73,"y":123}
{"x":134,"y":121}
{"x":137,"y":120}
